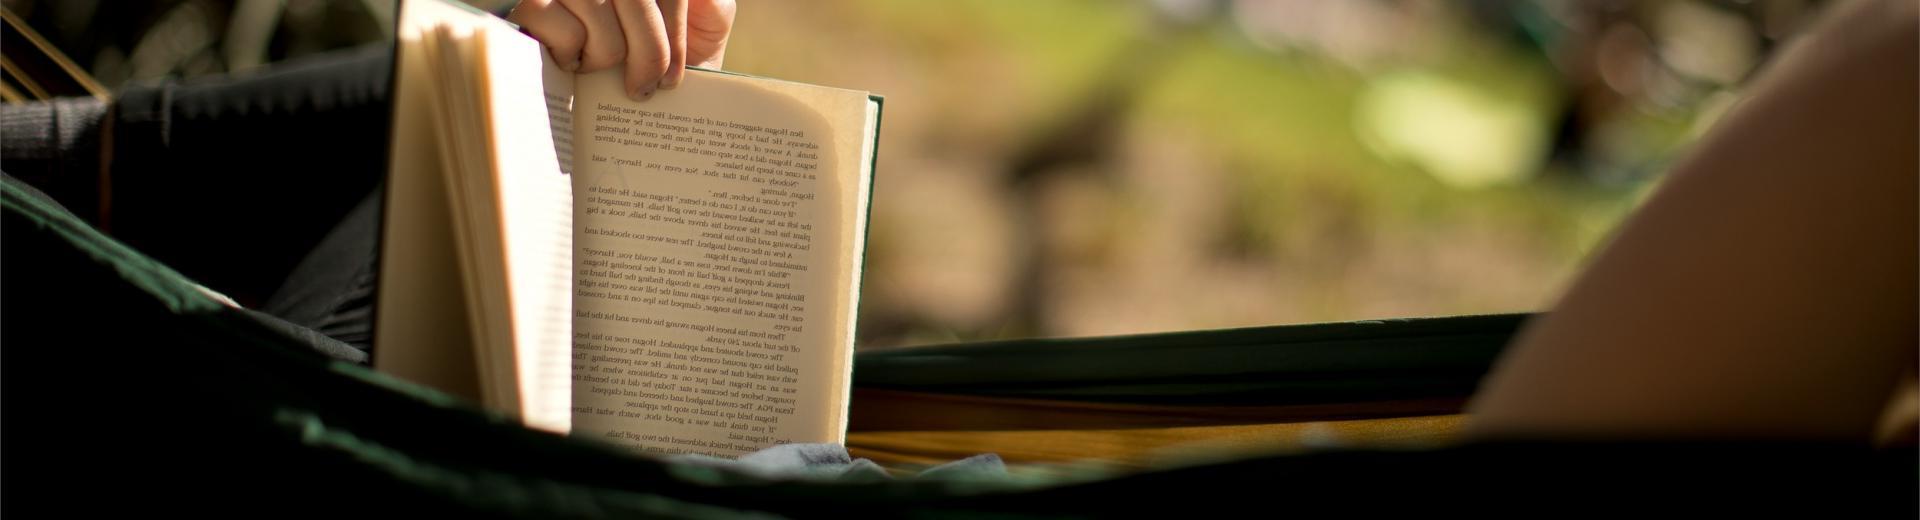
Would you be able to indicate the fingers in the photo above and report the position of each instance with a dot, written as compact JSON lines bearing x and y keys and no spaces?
{"x":655,"y":38}
{"x":605,"y":45}
{"x":554,"y":26}
{"x":673,"y":14}
{"x":648,"y":53}
{"x":709,"y":24}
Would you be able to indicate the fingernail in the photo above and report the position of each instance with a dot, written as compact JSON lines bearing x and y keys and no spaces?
{"x":639,"y":94}
{"x":669,"y":82}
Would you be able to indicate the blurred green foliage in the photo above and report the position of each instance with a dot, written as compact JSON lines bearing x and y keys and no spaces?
{"x":1080,"y":167}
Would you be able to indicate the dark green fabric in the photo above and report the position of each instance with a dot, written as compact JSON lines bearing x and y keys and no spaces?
{"x":1290,"y":364}
{"x":127,"y":391}
{"x":121,"y":377}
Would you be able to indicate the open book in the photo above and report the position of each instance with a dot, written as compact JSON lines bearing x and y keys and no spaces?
{"x":678,"y":274}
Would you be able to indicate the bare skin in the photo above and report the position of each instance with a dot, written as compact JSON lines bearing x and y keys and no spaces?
{"x":652,"y":40}
{"x":1767,"y":290}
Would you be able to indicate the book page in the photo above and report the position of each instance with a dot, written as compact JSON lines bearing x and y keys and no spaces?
{"x":714,"y":260}
{"x":535,"y":211}
{"x":421,"y":332}
{"x":481,"y":181}
{"x":465,"y":177}
{"x":558,"y":86}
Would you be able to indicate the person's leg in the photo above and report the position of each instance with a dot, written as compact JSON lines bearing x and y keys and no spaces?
{"x":1768,"y":288}
{"x":331,"y":291}
{"x":233,"y":180}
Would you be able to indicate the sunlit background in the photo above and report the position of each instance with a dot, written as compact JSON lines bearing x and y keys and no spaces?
{"x":1065,"y":168}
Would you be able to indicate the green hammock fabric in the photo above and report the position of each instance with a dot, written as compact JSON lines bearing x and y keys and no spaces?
{"x":1290,"y":364}
{"x":127,"y":389}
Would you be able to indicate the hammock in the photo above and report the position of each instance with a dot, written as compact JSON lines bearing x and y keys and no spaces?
{"x":128,"y":389}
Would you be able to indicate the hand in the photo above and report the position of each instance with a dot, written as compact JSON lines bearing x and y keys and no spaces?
{"x":656,"y":39}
